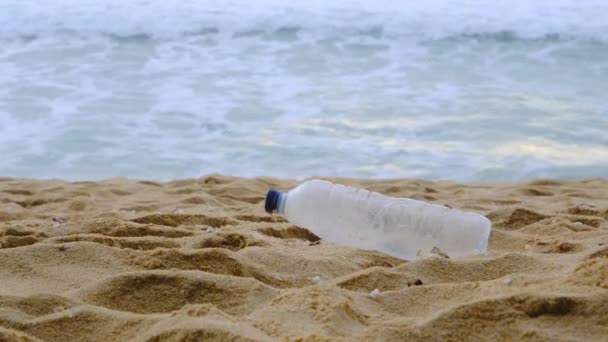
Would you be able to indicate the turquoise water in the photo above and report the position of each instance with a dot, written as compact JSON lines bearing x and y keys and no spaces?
{"x":459,"y":90}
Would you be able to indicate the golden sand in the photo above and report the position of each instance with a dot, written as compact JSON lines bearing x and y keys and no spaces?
{"x":200,"y":260}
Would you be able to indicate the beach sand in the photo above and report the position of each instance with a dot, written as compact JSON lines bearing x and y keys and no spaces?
{"x":200,"y":260}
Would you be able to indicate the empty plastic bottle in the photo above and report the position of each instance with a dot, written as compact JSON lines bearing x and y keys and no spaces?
{"x":359,"y":218}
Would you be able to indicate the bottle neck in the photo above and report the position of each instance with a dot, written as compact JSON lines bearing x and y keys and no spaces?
{"x":281,"y":204}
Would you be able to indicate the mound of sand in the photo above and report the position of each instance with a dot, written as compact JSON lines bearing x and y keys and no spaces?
{"x":200,"y":260}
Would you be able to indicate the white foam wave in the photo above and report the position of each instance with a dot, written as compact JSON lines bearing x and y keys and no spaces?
{"x":427,"y":19}
{"x":233,"y":87}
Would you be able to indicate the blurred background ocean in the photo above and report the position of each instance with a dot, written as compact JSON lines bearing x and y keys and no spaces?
{"x":465,"y":90}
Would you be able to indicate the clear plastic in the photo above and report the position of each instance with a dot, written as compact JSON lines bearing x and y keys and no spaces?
{"x":400,"y":227}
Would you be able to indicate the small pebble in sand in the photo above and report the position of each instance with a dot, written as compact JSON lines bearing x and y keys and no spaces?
{"x":374,"y":294}
{"x":57,"y":222}
{"x":316,"y":280}
{"x":507,"y":281}
{"x":278,"y":277}
{"x":439,"y":252}
{"x":578,"y":223}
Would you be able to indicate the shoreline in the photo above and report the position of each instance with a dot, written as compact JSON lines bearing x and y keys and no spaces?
{"x":199,"y":258}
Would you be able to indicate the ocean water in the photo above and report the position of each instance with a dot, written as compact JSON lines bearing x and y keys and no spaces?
{"x":465,"y":90}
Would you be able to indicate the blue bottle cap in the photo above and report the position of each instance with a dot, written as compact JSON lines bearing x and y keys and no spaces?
{"x":272,"y":201}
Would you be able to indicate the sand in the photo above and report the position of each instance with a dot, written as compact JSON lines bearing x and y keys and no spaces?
{"x":200,"y":260}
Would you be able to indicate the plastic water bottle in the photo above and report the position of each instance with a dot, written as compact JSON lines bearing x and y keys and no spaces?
{"x":359,"y":218}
